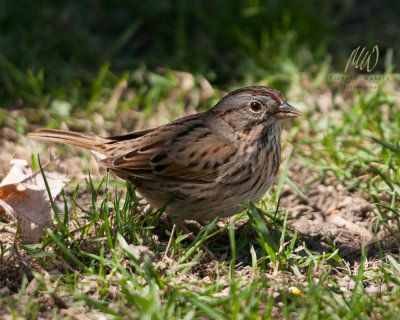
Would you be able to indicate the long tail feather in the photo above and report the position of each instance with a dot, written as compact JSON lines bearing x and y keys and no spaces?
{"x":79,"y":139}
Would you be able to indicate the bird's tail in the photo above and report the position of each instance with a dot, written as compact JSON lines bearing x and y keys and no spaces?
{"x":80,"y":139}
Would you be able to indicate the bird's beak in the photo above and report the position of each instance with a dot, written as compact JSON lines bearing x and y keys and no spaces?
{"x":285,"y":111}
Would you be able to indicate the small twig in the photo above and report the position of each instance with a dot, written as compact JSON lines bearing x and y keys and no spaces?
{"x":169,"y":241}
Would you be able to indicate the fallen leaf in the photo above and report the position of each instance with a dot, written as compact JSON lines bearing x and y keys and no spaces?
{"x":24,"y":197}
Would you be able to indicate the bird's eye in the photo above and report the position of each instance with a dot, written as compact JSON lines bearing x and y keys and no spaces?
{"x":255,"y":107}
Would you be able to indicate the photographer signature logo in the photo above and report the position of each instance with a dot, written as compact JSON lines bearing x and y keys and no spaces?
{"x":358,"y":73}
{"x":366,"y":56}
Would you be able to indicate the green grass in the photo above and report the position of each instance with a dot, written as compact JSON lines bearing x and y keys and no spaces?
{"x":93,"y":265}
{"x":103,"y":273}
{"x":51,"y":49}
{"x":358,"y":144}
{"x":97,"y":66}
{"x":90,"y":252}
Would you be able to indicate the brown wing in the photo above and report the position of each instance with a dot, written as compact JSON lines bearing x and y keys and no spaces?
{"x":186,"y":149}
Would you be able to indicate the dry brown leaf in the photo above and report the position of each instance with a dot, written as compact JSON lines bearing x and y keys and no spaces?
{"x":23,"y":195}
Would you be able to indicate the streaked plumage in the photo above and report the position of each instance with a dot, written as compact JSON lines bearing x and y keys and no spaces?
{"x":209,"y":162}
